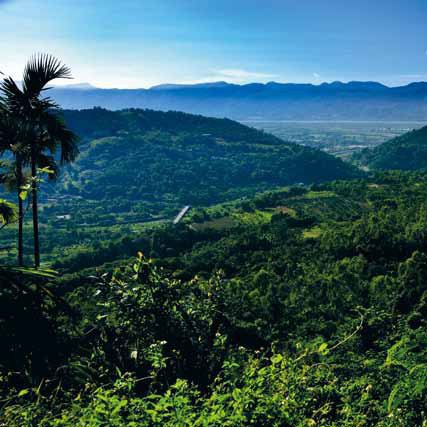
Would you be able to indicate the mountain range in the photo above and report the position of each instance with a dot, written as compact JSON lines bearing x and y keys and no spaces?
{"x":270,"y":101}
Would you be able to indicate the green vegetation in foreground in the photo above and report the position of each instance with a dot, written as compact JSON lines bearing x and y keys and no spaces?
{"x":301,"y":306}
{"x":406,"y":152}
{"x":252,"y":323}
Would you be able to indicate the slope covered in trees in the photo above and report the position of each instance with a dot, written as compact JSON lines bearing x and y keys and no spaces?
{"x":301,"y":306}
{"x":167,"y":159}
{"x":298,"y":307}
{"x":406,"y":152}
{"x":140,"y":166}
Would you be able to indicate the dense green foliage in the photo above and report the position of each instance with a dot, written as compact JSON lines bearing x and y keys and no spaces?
{"x":137,"y":168}
{"x":406,"y":152}
{"x":142,"y":166}
{"x":305,"y":305}
{"x":7,"y":212}
{"x":146,"y":161}
{"x":297,"y":307}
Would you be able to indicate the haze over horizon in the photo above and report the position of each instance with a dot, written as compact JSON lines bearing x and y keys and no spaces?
{"x":140,"y":44}
{"x":168,"y":85}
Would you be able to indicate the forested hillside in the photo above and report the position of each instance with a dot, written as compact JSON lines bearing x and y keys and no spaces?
{"x":138,"y":167}
{"x":141,"y":159}
{"x":406,"y":152}
{"x":217,"y":252}
{"x":298,"y":307}
{"x":301,"y":305}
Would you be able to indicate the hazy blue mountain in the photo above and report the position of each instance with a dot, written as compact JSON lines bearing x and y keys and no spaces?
{"x":275,"y":101}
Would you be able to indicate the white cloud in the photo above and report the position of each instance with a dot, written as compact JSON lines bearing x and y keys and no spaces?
{"x":233,"y":75}
{"x":316,"y":76}
{"x":244,"y":74}
{"x":413,"y":76}
{"x":400,"y":79}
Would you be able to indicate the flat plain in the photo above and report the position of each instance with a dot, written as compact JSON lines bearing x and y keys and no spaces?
{"x":340,"y":138}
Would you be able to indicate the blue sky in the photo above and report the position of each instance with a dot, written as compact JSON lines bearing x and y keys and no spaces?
{"x":140,"y":43}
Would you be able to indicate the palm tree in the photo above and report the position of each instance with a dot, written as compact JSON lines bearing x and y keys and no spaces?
{"x":40,"y":114}
{"x":12,"y":136}
{"x":13,"y":177}
{"x":7,"y":213}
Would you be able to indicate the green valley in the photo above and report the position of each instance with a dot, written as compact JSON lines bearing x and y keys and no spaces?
{"x":289,"y":291}
{"x":136,"y":168}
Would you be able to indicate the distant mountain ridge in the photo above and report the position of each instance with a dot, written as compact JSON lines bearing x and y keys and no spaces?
{"x":270,"y":101}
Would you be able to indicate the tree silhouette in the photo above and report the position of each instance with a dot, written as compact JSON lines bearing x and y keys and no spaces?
{"x":45,"y":130}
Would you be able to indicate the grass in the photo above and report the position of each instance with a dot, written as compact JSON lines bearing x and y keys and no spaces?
{"x":319,"y":194}
{"x":312,"y":233}
{"x":253,"y":218}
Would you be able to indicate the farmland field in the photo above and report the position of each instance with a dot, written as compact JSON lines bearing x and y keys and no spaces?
{"x":338,"y":138}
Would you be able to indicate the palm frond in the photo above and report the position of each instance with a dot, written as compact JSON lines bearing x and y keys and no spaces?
{"x":7,"y":131}
{"x":12,"y":96}
{"x":8,"y":175}
{"x":40,"y":70}
{"x":44,"y":105}
{"x":45,"y":161}
{"x":58,"y":135}
{"x":15,"y":133}
{"x":7,"y":212}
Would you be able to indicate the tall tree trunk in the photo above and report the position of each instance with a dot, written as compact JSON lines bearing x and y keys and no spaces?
{"x":35,"y":207}
{"x":20,"y":212}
